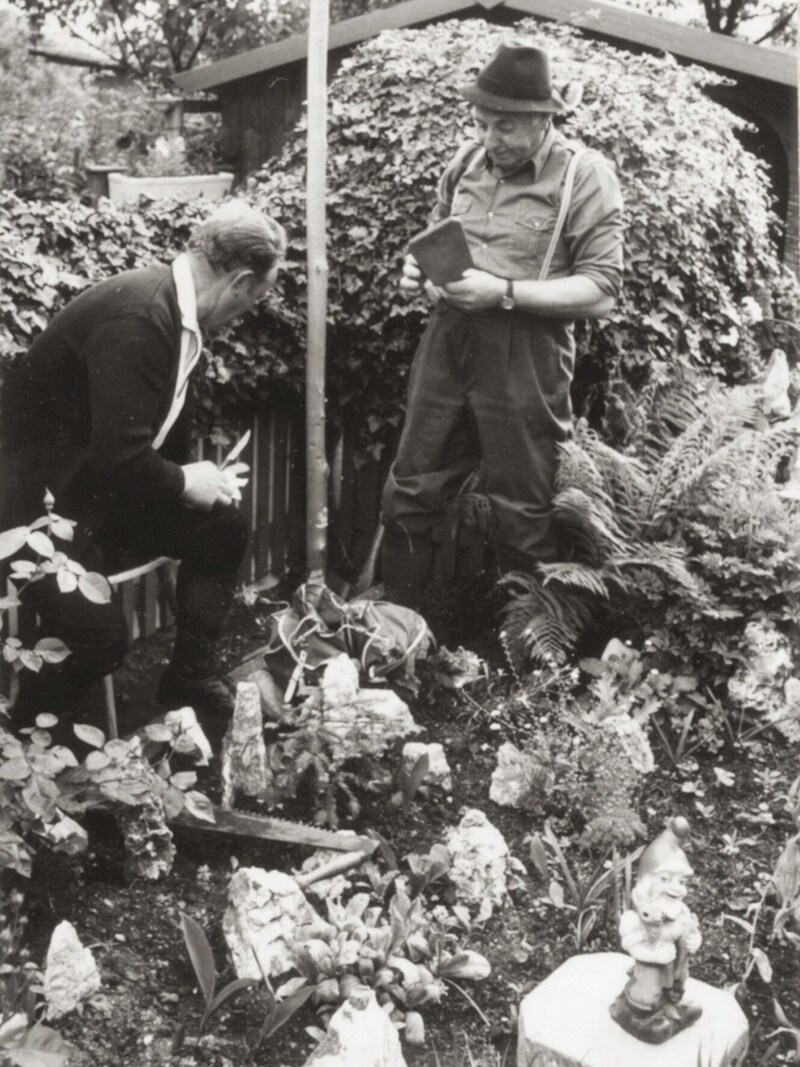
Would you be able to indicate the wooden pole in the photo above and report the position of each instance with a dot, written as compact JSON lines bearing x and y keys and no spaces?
{"x":317,"y":466}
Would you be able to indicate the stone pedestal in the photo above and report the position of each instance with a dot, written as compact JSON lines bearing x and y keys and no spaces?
{"x":565,"y":1022}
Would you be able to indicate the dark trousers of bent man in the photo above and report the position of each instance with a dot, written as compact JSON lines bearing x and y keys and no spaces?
{"x":210,"y":546}
{"x":500,"y":374}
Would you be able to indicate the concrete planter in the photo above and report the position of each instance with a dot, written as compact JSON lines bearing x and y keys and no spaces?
{"x":126,"y":189}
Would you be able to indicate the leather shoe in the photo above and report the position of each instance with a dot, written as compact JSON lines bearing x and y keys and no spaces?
{"x":212,"y":694}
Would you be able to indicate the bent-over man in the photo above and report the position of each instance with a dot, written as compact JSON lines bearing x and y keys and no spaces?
{"x":490,"y":381}
{"x":94,"y":412}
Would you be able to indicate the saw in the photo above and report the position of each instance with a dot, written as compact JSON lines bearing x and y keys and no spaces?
{"x":244,"y":824}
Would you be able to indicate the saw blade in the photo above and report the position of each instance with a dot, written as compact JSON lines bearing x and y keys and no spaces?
{"x":247,"y":825}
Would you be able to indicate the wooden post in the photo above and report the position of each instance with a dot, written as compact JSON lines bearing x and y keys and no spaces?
{"x":317,"y":467}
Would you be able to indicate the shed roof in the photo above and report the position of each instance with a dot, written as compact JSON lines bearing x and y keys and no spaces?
{"x":604,"y":19}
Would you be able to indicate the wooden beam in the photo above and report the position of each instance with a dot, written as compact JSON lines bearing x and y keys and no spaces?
{"x":686,"y":42}
{"x":246,"y":825}
{"x":593,"y":16}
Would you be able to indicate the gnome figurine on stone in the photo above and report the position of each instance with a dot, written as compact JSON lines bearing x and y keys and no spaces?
{"x":660,"y":933}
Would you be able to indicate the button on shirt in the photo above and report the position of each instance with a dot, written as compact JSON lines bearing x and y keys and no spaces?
{"x":191,"y":342}
{"x":509,"y":218}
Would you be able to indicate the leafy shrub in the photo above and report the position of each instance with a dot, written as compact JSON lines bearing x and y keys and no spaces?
{"x":586,"y":756}
{"x":694,"y":533}
{"x":51,"y":252}
{"x":396,"y":118}
{"x":55,"y":119}
{"x":406,"y":957}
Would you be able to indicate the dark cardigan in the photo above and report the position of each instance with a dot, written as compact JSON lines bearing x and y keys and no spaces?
{"x":81,"y":408}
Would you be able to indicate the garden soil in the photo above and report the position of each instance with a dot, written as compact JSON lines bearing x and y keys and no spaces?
{"x":149,"y":993}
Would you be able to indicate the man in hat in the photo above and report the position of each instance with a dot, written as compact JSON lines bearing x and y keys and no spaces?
{"x":490,"y":382}
{"x":94,"y":413}
{"x":660,"y":933}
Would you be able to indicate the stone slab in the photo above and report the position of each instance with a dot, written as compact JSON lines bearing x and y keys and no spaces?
{"x":565,"y":1022}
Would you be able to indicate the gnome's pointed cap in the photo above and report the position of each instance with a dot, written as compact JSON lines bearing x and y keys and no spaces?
{"x":666,"y":850}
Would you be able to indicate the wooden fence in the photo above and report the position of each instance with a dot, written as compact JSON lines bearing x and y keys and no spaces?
{"x":275,"y":499}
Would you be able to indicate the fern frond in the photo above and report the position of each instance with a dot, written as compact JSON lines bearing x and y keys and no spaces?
{"x":667,"y":560}
{"x":589,"y":524}
{"x":576,"y":576}
{"x":693,"y":453}
{"x":625,"y":479}
{"x":539,"y":624}
{"x":667,"y":410}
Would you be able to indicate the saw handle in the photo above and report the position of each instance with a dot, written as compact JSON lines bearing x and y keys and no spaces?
{"x":336,"y":866}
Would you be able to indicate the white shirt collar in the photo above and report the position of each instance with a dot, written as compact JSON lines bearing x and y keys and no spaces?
{"x":187,"y":297}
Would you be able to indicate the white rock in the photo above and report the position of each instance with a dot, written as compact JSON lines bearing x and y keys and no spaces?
{"x":479,"y":856}
{"x":149,"y":848}
{"x":367,"y":725}
{"x":71,"y":975}
{"x":360,"y":1034}
{"x":244,"y":753}
{"x":513,"y":778}
{"x":438,"y":767}
{"x":265,"y":908}
{"x":762,"y":682}
{"x":340,"y":681}
{"x":566,"y":1021}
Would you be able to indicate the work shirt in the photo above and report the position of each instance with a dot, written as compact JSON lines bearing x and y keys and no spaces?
{"x":509,"y":219}
{"x":191,"y":342}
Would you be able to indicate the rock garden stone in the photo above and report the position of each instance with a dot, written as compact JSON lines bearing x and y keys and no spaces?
{"x":765,"y":683}
{"x":71,"y":974}
{"x":566,"y":1021}
{"x":244,"y":753}
{"x":340,"y":681}
{"x":360,"y":1034}
{"x":438,"y":768}
{"x":366,"y":724}
{"x":265,"y":909}
{"x":479,"y":857}
{"x":149,"y":848}
{"x":513,"y":778}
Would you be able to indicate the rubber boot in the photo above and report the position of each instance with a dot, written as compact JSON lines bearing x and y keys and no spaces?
{"x":406,"y":566}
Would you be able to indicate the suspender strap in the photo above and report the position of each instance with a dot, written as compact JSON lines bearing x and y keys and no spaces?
{"x":566,"y":197}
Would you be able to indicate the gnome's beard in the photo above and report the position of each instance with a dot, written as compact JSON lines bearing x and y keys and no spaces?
{"x":654,"y":906}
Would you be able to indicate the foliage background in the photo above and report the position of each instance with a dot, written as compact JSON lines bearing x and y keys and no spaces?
{"x":693,"y":248}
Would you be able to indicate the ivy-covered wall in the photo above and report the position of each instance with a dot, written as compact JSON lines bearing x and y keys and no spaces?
{"x":698,"y":229}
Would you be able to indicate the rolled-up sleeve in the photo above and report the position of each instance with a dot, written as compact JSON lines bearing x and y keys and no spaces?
{"x":594,"y":228}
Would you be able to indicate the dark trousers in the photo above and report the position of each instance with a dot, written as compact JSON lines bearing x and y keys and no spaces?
{"x":486,"y":389}
{"x":210,"y":546}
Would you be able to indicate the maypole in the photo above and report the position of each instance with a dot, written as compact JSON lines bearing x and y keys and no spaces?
{"x":316,"y":461}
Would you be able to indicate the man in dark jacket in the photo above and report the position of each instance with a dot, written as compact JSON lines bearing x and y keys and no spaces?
{"x":94,"y":412}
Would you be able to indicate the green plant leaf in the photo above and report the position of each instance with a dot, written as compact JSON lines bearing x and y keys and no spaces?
{"x":228,"y":991}
{"x":90,"y":735}
{"x":39,"y":1047}
{"x":201,"y":956}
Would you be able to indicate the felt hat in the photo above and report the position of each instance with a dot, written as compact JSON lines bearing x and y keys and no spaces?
{"x":517,"y":78}
{"x":666,"y":850}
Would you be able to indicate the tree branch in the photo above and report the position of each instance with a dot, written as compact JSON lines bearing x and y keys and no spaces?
{"x":781,"y":24}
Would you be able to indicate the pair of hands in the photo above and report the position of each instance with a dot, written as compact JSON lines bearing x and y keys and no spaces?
{"x":206,"y":484}
{"x":476,"y":291}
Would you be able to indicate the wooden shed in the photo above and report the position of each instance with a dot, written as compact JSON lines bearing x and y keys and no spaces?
{"x":261,"y":92}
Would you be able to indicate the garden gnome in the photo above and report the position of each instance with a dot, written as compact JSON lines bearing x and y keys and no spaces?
{"x":660,"y":933}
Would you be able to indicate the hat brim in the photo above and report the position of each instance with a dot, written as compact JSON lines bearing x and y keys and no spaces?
{"x":492,"y":102}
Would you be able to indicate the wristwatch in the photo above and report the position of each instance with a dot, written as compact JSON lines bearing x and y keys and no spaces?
{"x":507,"y":302}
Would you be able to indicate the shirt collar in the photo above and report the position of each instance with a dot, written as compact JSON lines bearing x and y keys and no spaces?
{"x":536,"y":161}
{"x":187,"y":297}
